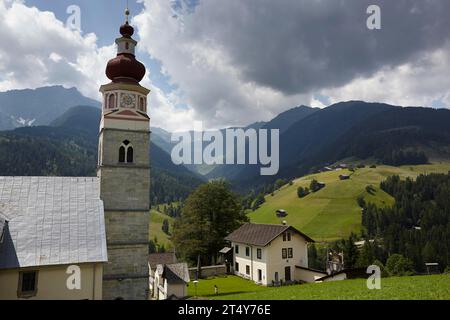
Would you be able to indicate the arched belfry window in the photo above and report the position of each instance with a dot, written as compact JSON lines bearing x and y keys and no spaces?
{"x":142,"y":104}
{"x":111,"y":101}
{"x":122,"y":154}
{"x":126,"y":152}
{"x":130,"y":154}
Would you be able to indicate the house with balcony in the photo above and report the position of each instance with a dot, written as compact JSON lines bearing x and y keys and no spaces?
{"x":271,"y":254}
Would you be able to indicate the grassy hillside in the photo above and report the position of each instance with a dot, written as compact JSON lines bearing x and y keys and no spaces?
{"x":333,"y":213}
{"x":156,"y":222}
{"x":436,"y":287}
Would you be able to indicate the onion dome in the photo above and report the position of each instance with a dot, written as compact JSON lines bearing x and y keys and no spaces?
{"x":124,"y":67}
{"x":126,"y":30}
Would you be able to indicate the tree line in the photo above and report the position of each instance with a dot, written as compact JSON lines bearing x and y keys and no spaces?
{"x":418,"y":224}
{"x":401,"y":238}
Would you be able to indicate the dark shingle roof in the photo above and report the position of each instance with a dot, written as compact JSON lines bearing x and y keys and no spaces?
{"x":261,"y":234}
{"x":176,"y":273}
{"x":51,"y":221}
{"x":161,"y":258}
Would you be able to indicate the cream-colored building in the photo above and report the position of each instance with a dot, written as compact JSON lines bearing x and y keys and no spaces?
{"x":171,"y":281}
{"x":52,"y":238}
{"x":154,"y":260}
{"x":168,"y":279}
{"x":50,"y":283}
{"x":271,"y":254}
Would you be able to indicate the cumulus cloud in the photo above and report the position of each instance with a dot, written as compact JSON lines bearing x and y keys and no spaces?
{"x":202,"y":68}
{"x":39,"y":50}
{"x":235,"y":62}
{"x":238,"y":61}
{"x":421,"y":82}
{"x":165,"y":113}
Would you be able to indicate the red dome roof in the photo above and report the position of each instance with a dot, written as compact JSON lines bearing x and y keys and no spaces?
{"x":126,"y":30}
{"x":125,"y":66}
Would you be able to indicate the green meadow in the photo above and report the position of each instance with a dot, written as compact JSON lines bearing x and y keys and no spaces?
{"x":155,"y":228}
{"x":333,"y":213}
{"x":435,"y":287}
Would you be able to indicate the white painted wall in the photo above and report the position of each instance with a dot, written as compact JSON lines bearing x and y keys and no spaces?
{"x":252,"y":261}
{"x":277,"y":264}
{"x":308,"y":275}
{"x":177,"y":289}
{"x":271,"y":260}
{"x":163,"y":290}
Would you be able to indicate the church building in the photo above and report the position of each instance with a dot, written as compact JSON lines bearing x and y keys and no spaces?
{"x":86,"y":237}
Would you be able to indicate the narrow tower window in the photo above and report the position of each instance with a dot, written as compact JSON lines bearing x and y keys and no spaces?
{"x":111,"y":101}
{"x":130,"y":155}
{"x":122,"y":154}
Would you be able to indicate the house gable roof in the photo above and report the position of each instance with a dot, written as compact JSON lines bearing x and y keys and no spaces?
{"x":51,"y":221}
{"x":261,"y":234}
{"x":176,"y":273}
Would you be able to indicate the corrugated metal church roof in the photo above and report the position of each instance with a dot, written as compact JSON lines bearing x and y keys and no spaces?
{"x":51,"y":221}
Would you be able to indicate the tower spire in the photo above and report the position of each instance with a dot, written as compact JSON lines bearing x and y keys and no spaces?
{"x":127,"y":13}
{"x":124,"y":67}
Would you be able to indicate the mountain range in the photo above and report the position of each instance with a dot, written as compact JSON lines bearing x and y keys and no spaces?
{"x":310,"y":138}
{"x":37,"y":107}
{"x":68,"y":147}
{"x":355,"y":129}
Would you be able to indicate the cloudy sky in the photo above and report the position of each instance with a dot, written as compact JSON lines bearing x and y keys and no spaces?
{"x":235,"y":62}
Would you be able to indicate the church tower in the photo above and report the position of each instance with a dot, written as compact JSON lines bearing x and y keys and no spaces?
{"x":124,"y":172}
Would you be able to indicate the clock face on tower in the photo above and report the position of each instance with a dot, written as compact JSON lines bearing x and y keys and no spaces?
{"x":128,"y":101}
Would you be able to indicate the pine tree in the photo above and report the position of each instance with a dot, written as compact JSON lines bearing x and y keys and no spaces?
{"x":350,"y":252}
{"x":302,"y":192}
{"x":165,"y":226}
{"x":258,"y":201}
